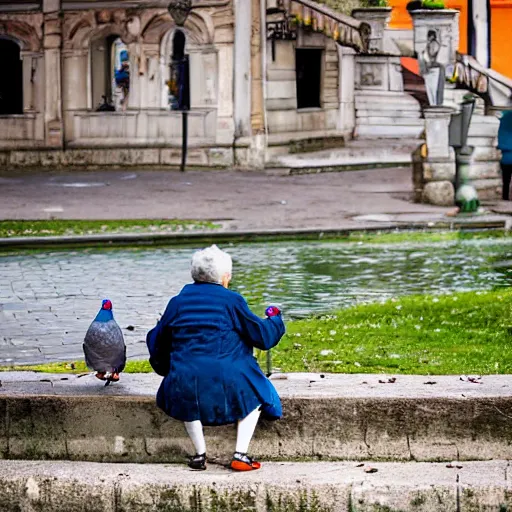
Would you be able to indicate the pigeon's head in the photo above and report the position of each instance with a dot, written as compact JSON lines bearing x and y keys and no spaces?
{"x":106,"y":304}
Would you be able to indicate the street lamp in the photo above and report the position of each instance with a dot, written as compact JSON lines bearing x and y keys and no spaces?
{"x":466,"y":197}
{"x":179,"y":11}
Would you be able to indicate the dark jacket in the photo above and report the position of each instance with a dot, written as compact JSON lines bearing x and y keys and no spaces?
{"x":505,"y":138}
{"x":203,"y":345}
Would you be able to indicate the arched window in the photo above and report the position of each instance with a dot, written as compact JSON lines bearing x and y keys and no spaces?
{"x":110,"y":70}
{"x":11,"y":86}
{"x":179,"y":86}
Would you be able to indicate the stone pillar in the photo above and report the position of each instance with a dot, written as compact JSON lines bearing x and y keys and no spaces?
{"x":377,"y":18}
{"x":52,"y":66}
{"x":257,"y":149}
{"x":242,"y":63}
{"x":225,"y":124}
{"x":480,"y":24}
{"x":347,"y":109}
{"x":434,"y":163}
{"x":442,"y":22}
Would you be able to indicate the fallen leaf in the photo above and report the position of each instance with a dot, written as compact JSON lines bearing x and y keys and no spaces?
{"x":130,"y":328}
{"x":359,"y":465}
{"x":430,"y":382}
{"x":371,"y":470}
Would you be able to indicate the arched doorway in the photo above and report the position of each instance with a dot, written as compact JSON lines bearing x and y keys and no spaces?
{"x":179,"y":83}
{"x":110,"y":70}
{"x":11,"y":87}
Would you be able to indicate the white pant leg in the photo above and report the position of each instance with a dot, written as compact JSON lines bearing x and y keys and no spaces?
{"x":195,"y":431}
{"x":246,"y":428}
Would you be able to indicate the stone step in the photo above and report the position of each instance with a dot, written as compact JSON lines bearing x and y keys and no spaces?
{"x":27,"y":486}
{"x":377,"y":120}
{"x":327,"y":416}
{"x":389,"y":130}
{"x":355,"y":154}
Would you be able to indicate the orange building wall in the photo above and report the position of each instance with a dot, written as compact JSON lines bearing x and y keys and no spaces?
{"x":501,"y":29}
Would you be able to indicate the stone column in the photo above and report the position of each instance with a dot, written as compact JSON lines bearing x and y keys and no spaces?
{"x":256,"y":155}
{"x":346,"y":70}
{"x":480,"y":22}
{"x":52,"y":66}
{"x":257,"y":123}
{"x":242,"y":63}
{"x":434,"y":164}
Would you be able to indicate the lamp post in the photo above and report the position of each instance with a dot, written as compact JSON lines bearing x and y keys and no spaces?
{"x":179,"y":11}
{"x":466,"y":197}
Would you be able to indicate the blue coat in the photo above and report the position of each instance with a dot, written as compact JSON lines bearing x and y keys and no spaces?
{"x":505,"y":138}
{"x":203,"y":345}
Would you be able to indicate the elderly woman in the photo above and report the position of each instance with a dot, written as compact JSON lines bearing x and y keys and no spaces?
{"x":203,"y":346}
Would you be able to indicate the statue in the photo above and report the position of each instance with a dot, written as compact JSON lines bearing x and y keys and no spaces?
{"x":431,"y":70}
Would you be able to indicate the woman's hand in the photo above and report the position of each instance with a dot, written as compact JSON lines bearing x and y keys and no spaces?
{"x":272,"y":311}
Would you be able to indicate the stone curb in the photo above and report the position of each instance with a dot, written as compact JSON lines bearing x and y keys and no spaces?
{"x":334,"y":417}
{"x":277,"y":487}
{"x":241,"y":236}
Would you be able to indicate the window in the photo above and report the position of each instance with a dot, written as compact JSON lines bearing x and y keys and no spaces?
{"x":110,"y":68}
{"x":11,"y":87}
{"x":308,"y":67}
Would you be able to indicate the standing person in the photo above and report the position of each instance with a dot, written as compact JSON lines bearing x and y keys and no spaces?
{"x":203,"y":346}
{"x":505,"y":144}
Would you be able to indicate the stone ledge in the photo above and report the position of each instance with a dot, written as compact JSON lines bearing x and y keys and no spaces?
{"x":338,"y":417}
{"x":277,"y":487}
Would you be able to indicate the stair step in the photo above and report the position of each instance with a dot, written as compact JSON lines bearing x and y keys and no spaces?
{"x":26,"y":486}
{"x":356,"y":153}
{"x":389,"y":130}
{"x":331,"y":416}
{"x":397,"y":120}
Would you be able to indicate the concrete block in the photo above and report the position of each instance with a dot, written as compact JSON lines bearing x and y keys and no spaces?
{"x":438,"y":171}
{"x":283,"y":121}
{"x":440,"y":193}
{"x":484,"y":171}
{"x":220,"y":157}
{"x":282,"y":89}
{"x":21,"y":158}
{"x":51,"y":158}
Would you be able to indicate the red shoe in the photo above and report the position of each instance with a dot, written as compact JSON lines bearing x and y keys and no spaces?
{"x":114,"y":377}
{"x":242,"y":462}
{"x":100,"y":375}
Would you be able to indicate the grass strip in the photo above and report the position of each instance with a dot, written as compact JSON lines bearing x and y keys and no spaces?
{"x":17,"y":228}
{"x":462,"y":333}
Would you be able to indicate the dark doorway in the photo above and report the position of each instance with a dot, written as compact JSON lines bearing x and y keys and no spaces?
{"x":180,"y":80}
{"x":308,"y":68}
{"x":11,"y":86}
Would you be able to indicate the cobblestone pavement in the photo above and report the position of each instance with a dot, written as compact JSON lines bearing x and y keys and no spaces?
{"x":47,"y":301}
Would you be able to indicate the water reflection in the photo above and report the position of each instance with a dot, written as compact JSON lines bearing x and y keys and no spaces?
{"x":302,"y":277}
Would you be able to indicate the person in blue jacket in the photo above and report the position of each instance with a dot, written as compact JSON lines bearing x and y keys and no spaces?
{"x":203,"y":346}
{"x":505,"y":144}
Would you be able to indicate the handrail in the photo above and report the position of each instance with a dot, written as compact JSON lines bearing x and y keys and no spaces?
{"x":345,"y":30}
{"x":470,"y":74}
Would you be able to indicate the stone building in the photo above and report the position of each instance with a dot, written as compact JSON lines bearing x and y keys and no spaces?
{"x":265,"y":78}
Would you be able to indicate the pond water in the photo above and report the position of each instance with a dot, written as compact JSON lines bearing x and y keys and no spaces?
{"x":302,"y":277}
{"x":317,"y":277}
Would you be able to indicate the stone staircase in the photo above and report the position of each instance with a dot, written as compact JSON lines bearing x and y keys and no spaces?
{"x":389,"y":115}
{"x":355,"y":154}
{"x":347,"y":443}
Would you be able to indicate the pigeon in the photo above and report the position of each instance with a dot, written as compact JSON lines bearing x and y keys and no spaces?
{"x":104,"y":348}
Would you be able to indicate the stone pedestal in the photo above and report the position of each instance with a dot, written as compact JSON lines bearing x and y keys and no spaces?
{"x":434,"y":162}
{"x":444,"y":22}
{"x":377,"y":18}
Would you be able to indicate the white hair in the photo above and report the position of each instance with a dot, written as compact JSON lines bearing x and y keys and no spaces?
{"x":209,"y":265}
